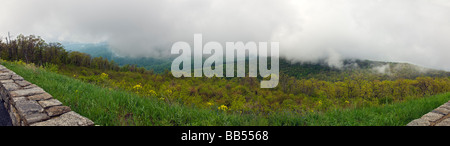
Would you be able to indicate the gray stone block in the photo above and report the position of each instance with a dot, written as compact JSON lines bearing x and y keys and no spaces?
{"x":5,"y":73}
{"x":36,"y":117}
{"x":6,"y":81}
{"x":26,"y":92}
{"x":441,"y":110}
{"x":15,"y":118}
{"x":432,"y":116}
{"x":68,"y":119}
{"x":31,"y":111}
{"x":57,"y":110}
{"x":445,"y":106}
{"x":30,"y":86}
{"x":28,"y":107}
{"x":16,"y":77}
{"x":49,"y":103}
{"x":419,"y":122}
{"x":23,"y":83}
{"x":18,"y":99}
{"x":445,"y":122}
{"x":5,"y":77}
{"x":11,"y":86}
{"x":43,"y":96}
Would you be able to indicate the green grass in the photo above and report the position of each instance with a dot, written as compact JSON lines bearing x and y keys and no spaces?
{"x":396,"y":114}
{"x":115,"y":107}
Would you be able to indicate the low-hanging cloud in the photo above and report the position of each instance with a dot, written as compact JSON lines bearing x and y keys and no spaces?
{"x":415,"y":31}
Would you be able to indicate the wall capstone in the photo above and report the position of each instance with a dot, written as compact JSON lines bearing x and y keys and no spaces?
{"x":29,"y":105}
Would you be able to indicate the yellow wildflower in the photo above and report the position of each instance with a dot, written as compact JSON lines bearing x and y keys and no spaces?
{"x":223,"y":107}
{"x":138,"y":86}
{"x":152,"y":92}
{"x":347,"y":102}
{"x":209,"y":103}
{"x":104,"y":76}
{"x":168,"y":91}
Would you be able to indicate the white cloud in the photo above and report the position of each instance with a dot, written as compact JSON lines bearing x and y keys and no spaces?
{"x":415,"y":31}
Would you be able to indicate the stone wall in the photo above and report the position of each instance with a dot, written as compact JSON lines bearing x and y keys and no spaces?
{"x":438,"y":117}
{"x":29,"y":105}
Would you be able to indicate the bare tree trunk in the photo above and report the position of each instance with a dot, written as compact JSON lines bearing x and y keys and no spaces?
{"x":8,"y":39}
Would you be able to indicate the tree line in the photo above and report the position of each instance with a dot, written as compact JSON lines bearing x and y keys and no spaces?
{"x":33,"y":49}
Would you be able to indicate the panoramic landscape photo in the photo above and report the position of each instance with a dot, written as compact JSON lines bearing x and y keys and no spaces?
{"x":225,"y":63}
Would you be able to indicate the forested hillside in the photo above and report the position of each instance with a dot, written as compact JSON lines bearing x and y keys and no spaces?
{"x":102,"y":50}
{"x":33,"y":49}
{"x":370,"y":70}
{"x":301,"y":70}
{"x":302,"y":87}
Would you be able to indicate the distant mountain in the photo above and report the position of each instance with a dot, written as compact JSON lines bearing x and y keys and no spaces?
{"x":102,"y":50}
{"x":372,"y":70}
{"x":95,"y":50}
{"x":366,"y":69}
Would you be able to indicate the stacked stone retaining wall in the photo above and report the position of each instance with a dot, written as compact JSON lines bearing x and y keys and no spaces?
{"x":29,"y":105}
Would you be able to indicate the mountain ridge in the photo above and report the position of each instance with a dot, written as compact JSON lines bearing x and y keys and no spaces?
{"x":377,"y":70}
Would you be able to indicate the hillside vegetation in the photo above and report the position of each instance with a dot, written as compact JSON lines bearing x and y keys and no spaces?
{"x":137,"y":96}
{"x":106,"y":106}
{"x":102,"y":50}
{"x":373,"y":70}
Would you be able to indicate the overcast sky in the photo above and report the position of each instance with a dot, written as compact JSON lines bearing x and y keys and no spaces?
{"x":414,"y":31}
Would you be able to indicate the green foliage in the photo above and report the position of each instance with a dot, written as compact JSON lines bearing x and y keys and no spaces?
{"x":32,"y":49}
{"x":108,"y":106}
{"x":51,"y":67}
{"x":102,"y":50}
{"x":304,"y":89}
{"x":244,"y":94}
{"x":363,"y":69}
{"x":299,"y":90}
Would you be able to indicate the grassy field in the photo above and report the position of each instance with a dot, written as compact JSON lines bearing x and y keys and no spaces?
{"x":396,"y":114}
{"x":106,"y":106}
